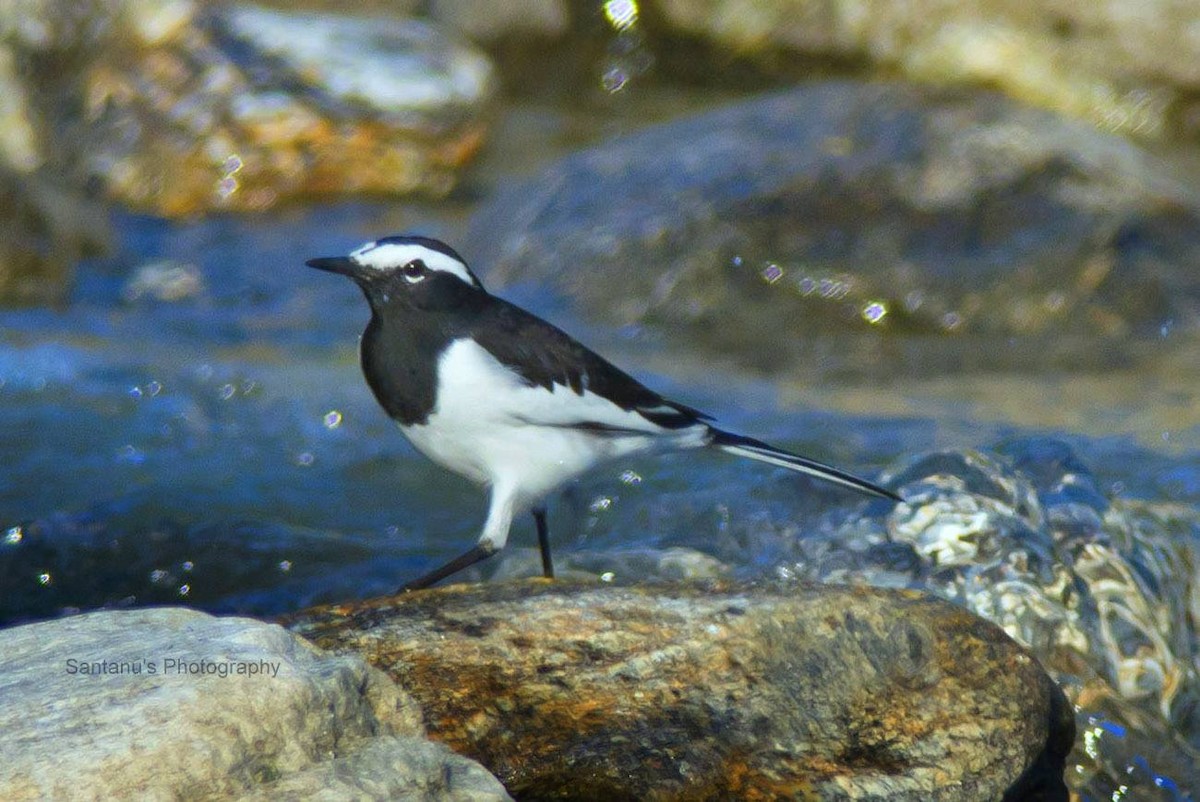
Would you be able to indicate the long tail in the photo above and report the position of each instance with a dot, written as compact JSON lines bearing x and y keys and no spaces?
{"x":756,"y":449}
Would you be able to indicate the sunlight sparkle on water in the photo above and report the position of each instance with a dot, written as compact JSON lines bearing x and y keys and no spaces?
{"x":13,"y":536}
{"x":834,"y":289}
{"x":874,"y":312}
{"x":227,"y":184}
{"x":621,"y":14}
{"x":614,"y":79}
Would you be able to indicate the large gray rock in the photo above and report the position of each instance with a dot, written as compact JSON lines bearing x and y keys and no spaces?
{"x":172,"y":703}
{"x":679,"y":692}
{"x":863,"y":229}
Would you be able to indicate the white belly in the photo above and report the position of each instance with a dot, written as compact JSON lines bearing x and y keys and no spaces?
{"x":492,"y":428}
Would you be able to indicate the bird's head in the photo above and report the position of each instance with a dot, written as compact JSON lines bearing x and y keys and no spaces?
{"x":407,"y":271}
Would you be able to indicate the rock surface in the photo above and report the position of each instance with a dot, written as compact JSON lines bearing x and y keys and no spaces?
{"x":582,"y":692}
{"x":176,"y":109}
{"x":1127,"y":65}
{"x":1124,"y":65}
{"x":92,"y":707}
{"x":863,"y":229}
{"x":486,"y":21}
{"x":43,"y":231}
{"x":626,"y":566}
{"x":388,"y":768}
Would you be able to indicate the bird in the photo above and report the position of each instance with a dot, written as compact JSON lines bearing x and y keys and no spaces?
{"x":506,"y":399}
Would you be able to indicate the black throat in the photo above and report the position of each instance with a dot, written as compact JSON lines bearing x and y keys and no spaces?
{"x":400,"y":360}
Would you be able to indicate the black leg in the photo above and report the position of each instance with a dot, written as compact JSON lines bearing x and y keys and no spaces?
{"x":470,"y":557}
{"x":539,"y":517}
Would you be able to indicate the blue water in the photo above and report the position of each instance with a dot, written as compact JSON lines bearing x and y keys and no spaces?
{"x":222,"y":450}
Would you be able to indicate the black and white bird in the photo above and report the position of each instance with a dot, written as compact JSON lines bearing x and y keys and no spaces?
{"x":505,"y":399}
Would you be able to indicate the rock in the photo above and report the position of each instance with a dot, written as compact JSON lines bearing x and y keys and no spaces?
{"x":625,"y":566}
{"x":389,"y":768}
{"x":44,"y":230}
{"x":167,"y":703}
{"x":1125,"y":65}
{"x":583,"y":692}
{"x":18,"y":140}
{"x":484,"y":21}
{"x":175,"y":109}
{"x":848,"y":229}
{"x":45,"y":227}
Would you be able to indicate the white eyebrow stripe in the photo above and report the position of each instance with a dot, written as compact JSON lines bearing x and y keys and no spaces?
{"x":391,"y":255}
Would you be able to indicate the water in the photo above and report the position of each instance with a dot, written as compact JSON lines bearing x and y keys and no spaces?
{"x":231,"y":431}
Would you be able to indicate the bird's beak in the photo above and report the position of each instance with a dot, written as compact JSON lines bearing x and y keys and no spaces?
{"x":335,"y":264}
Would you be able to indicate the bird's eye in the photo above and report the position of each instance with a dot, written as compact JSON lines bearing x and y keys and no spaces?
{"x":414,"y":271}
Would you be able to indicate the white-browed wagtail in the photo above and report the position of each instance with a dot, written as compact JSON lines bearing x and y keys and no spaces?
{"x":507,"y":400}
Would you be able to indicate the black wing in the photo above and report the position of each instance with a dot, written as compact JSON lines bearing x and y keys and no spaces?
{"x":544,"y":355}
